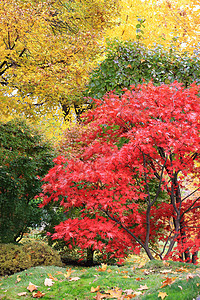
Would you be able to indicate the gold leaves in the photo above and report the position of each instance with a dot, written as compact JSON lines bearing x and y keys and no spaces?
{"x":162,"y":295}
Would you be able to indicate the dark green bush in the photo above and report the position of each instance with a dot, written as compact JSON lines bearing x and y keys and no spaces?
{"x":13,"y":259}
{"x":25,"y":156}
{"x":129,"y":63}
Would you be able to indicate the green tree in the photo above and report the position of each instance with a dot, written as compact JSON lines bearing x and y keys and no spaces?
{"x":129,"y":63}
{"x":24,"y":157}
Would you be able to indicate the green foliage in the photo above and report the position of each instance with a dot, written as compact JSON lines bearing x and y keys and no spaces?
{"x":24,"y":157}
{"x":13,"y":259}
{"x":41,"y":254}
{"x":129,"y":63}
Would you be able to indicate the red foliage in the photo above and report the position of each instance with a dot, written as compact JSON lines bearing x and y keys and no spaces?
{"x":149,"y":133}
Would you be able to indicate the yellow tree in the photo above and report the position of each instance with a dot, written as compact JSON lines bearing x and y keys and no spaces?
{"x":47,"y":50}
{"x":166,"y":22}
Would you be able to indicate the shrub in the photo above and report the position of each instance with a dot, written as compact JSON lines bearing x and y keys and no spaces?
{"x":24,"y":157}
{"x":18,"y":257}
{"x":13,"y":259}
{"x":41,"y":254}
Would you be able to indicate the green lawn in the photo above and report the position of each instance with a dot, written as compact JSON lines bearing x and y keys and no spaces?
{"x":131,"y":280}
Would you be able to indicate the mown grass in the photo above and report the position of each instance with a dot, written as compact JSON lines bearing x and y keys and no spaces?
{"x":131,"y":276}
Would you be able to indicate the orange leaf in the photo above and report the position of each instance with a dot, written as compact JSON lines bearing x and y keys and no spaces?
{"x":162,"y":295}
{"x":53,"y":278}
{"x":168,"y":281}
{"x":138,"y":279}
{"x":102,"y":268}
{"x":31,"y":287}
{"x":109,"y":270}
{"x":94,"y":290}
{"x":59,"y":272}
{"x":165,"y":263}
{"x":38,"y":294}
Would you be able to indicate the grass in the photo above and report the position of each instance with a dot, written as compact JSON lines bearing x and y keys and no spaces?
{"x":134,"y":278}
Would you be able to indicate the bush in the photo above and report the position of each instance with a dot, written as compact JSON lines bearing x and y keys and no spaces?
{"x":13,"y":259}
{"x":24,"y":157}
{"x":18,"y":257}
{"x":41,"y":254}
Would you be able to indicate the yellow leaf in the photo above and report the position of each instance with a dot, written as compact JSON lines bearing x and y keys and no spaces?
{"x":162,"y":295}
{"x":94,"y":290}
{"x":109,"y":270}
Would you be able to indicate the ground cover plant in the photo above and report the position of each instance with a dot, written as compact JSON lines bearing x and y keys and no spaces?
{"x":149,"y":133}
{"x":135,"y":279}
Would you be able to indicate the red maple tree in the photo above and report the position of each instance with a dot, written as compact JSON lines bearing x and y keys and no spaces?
{"x":149,"y":134}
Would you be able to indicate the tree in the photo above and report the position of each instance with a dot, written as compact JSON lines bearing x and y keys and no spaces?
{"x":148,"y":133}
{"x":127,"y":63}
{"x":168,"y":23}
{"x":24,"y":156}
{"x":47,"y":50}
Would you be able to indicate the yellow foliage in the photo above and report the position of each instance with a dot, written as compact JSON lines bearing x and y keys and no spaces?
{"x":47,"y":50}
{"x":165,"y":20}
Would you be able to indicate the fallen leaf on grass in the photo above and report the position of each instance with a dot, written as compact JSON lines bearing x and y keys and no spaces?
{"x":31,"y":287}
{"x":22,"y":294}
{"x":197,"y":284}
{"x":116,"y":293}
{"x":38,"y":294}
{"x":53,"y":278}
{"x":94,"y":290}
{"x":143,"y":287}
{"x":180,"y":287}
{"x":166,"y":271}
{"x":165,"y":263}
{"x":48,"y":282}
{"x":74,"y":278}
{"x":59,"y":273}
{"x":181,"y":270}
{"x":126,"y":276}
{"x":168,"y":281}
{"x":189,"y":276}
{"x":162,"y":295}
{"x":109,"y":270}
{"x":102,"y":268}
{"x":69,"y":271}
{"x":138,"y":279}
{"x":18,"y":278}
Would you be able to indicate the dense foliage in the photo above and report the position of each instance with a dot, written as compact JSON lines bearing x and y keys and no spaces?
{"x":24,"y":157}
{"x":129,"y":62}
{"x":148,"y":133}
{"x":15,"y":258}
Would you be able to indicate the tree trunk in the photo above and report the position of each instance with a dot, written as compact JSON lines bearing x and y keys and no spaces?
{"x":90,"y":257}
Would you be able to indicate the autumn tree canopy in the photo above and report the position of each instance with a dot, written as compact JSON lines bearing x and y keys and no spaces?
{"x":47,"y":49}
{"x":166,"y":22}
{"x":148,"y":133}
